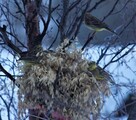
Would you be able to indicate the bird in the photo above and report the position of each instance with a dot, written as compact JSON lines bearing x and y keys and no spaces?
{"x":95,"y":24}
{"x":97,"y":71}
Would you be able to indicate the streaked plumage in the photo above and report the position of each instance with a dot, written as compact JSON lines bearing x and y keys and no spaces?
{"x":95,"y":24}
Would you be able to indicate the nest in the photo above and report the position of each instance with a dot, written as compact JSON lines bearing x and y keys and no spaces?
{"x":63,"y":81}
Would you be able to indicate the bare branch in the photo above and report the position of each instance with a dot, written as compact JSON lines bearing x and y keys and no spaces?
{"x":109,"y":13}
{"x":88,"y":40}
{"x":63,"y":20}
{"x":46,"y":24}
{"x":17,"y":39}
{"x":7,"y":74}
{"x":96,"y":5}
{"x":19,"y":8}
{"x":81,"y":18}
{"x":8,"y":42}
{"x":122,"y":7}
{"x":107,"y":47}
{"x":74,"y":4}
{"x":113,"y":60}
{"x":54,"y":40}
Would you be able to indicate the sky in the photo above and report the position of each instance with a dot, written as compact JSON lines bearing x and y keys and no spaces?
{"x":122,"y":74}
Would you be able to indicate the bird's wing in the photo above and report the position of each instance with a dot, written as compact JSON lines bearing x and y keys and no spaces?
{"x":89,"y":19}
{"x":99,"y":23}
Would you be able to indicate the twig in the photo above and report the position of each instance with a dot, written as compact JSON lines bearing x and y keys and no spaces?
{"x":7,"y":74}
{"x":8,"y":42}
{"x":89,"y":39}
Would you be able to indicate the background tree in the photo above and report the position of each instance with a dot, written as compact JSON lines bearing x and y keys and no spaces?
{"x":30,"y":26}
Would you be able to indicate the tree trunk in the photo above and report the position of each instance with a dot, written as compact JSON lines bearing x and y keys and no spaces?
{"x":33,"y":31}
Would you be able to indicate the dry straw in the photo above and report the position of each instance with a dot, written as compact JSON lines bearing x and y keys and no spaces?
{"x":64,"y":82}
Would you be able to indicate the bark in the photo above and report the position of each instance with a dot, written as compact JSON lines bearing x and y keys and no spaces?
{"x":32,"y":25}
{"x":33,"y":43}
